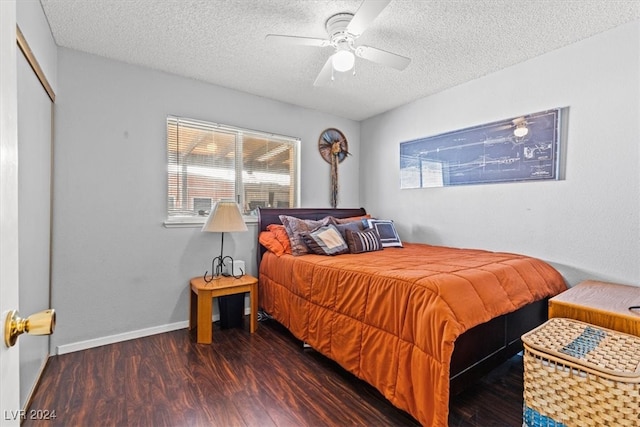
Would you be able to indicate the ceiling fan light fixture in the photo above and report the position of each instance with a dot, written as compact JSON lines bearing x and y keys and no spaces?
{"x":343,"y":29}
{"x":343,"y":60}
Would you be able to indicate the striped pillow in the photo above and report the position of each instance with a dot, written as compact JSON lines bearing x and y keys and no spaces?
{"x":363,"y":241}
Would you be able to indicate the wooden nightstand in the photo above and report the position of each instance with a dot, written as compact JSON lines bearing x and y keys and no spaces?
{"x":602,"y":304}
{"x":201,"y":302}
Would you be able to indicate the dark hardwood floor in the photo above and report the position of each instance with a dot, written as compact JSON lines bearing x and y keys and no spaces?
{"x":264,"y":379}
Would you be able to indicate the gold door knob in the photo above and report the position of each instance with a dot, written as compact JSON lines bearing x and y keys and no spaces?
{"x":42,"y":323}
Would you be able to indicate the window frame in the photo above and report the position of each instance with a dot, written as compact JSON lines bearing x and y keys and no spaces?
{"x":172,"y":221}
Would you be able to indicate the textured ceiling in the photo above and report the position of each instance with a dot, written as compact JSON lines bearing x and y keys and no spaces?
{"x":223,"y":42}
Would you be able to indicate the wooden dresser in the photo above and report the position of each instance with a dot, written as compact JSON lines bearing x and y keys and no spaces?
{"x":601,"y":304}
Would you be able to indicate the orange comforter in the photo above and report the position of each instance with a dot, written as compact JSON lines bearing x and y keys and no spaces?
{"x":392,"y":317}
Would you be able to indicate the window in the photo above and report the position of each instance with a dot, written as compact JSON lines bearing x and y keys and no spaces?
{"x":202,"y":205}
{"x":208,"y":162}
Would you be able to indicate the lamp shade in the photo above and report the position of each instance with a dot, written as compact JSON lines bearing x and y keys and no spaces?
{"x":225,"y":216}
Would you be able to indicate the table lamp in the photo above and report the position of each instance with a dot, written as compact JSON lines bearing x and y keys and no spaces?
{"x":225,"y":217}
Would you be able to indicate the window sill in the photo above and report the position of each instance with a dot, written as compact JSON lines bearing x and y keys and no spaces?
{"x":198,"y":222}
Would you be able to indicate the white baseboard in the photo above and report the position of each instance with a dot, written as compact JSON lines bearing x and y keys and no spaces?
{"x":140,"y":333}
{"x":111,"y":339}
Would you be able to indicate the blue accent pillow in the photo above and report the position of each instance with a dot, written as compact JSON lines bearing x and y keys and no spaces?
{"x":353,"y":226}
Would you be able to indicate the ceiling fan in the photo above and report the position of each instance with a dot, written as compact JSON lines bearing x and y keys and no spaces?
{"x":344,"y":30}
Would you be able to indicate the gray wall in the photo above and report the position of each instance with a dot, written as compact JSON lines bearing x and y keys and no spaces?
{"x":117,"y":272}
{"x":586,"y":225}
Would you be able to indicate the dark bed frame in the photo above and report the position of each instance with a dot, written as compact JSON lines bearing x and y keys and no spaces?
{"x":477,"y":351}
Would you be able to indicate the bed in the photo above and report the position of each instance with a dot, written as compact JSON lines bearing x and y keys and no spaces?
{"x":417,"y":322}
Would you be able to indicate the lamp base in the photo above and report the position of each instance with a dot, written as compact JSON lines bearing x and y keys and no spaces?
{"x":236,"y":269}
{"x":218,"y":265}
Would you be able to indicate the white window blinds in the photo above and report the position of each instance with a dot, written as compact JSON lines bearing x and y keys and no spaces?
{"x":208,"y":162}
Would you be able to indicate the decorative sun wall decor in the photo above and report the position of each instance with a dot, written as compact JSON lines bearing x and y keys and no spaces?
{"x":334,"y":148}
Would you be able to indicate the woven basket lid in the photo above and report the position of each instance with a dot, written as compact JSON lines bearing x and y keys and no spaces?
{"x":600,"y":349}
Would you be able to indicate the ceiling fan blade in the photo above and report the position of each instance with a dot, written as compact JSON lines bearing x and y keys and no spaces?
{"x":366,"y":14}
{"x":295,"y":40}
{"x":383,"y":57}
{"x":325,"y":74}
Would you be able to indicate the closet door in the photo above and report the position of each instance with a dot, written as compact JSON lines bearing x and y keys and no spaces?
{"x":34,"y":216}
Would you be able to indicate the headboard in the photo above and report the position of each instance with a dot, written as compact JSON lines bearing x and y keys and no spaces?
{"x":268,"y":216}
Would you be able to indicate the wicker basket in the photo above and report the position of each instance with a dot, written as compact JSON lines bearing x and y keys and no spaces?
{"x":576,"y":374}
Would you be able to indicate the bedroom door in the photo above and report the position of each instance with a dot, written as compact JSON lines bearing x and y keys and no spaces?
{"x":25,"y":218}
{"x":9,"y":357}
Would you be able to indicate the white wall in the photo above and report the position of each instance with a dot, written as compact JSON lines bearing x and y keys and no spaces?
{"x":587,"y":225}
{"x":116,"y":269}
